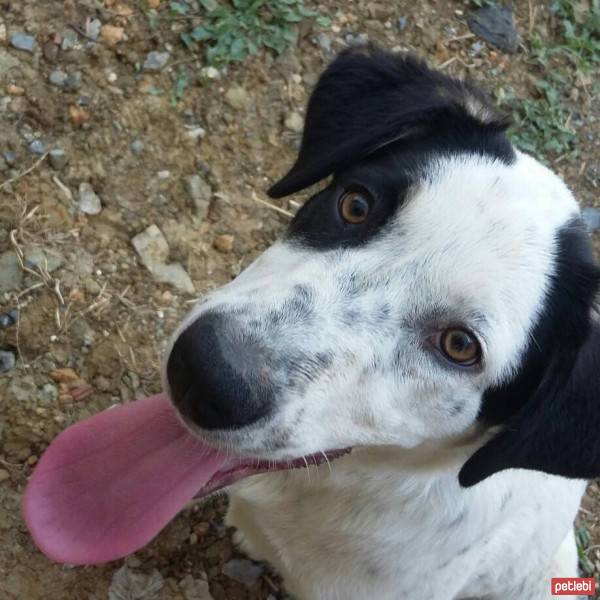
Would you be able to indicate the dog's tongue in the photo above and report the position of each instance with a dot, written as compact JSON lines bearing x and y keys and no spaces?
{"x":107,"y":485}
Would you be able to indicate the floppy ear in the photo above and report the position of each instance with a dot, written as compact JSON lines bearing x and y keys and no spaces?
{"x":368,"y":98}
{"x":555,"y":398}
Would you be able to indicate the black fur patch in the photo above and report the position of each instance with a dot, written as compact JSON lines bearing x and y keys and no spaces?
{"x":367,"y":99}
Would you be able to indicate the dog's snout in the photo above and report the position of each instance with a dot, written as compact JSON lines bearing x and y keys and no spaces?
{"x":218,"y":375}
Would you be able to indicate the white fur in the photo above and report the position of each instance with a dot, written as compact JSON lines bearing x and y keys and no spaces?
{"x":472,"y":245}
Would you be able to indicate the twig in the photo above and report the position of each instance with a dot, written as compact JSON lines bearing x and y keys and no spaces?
{"x":446,"y":63}
{"x":62,"y":187}
{"x":282,"y":211}
{"x":531,"y":17}
{"x":82,"y":33}
{"x":458,"y":38}
{"x":17,"y":338}
{"x":34,"y":166}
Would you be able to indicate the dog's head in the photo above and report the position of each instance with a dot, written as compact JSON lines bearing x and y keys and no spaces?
{"x":440,"y":284}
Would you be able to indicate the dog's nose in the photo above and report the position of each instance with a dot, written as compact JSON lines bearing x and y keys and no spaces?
{"x":218,"y":376}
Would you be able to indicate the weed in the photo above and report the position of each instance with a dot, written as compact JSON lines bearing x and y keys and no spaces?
{"x":231,"y":31}
{"x":542,"y":125}
{"x":583,"y":540}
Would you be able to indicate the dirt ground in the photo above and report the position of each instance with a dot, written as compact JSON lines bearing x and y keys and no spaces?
{"x":96,"y":309}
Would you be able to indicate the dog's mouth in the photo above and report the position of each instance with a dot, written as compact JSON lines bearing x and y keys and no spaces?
{"x":107,"y":485}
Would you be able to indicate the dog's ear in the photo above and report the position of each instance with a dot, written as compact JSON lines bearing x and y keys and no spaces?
{"x":554,"y":400}
{"x":368,"y":98}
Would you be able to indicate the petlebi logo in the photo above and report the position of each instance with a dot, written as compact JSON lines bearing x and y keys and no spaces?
{"x":567,"y":586}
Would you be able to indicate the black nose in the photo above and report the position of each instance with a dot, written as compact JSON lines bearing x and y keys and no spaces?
{"x":218,"y":374}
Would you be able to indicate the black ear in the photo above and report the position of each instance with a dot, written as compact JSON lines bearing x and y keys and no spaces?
{"x":368,"y":98}
{"x":555,"y":398}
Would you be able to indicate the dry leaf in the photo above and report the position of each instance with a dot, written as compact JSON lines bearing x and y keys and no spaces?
{"x":64,"y":375}
{"x":122,"y":10}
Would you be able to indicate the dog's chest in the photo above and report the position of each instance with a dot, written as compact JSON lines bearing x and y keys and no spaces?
{"x":375,"y":534}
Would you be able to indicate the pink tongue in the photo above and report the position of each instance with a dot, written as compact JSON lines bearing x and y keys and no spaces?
{"x":107,"y":485}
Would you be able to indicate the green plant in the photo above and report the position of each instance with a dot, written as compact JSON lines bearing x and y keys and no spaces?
{"x":231,"y":31}
{"x":541,"y":125}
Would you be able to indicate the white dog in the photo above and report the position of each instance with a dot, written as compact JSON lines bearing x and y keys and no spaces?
{"x":427,"y":321}
{"x":431,"y":309}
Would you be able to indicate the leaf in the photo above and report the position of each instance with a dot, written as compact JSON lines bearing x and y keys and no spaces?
{"x":179,"y":8}
{"x":200,"y":34}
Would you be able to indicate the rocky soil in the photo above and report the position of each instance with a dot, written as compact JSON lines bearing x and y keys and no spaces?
{"x":120,"y":204}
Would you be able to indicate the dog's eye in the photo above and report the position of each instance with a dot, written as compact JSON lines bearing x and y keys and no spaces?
{"x":354,"y":207}
{"x":460,"y":346}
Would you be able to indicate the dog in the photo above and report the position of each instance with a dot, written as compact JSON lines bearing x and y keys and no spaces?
{"x":409,"y":375}
{"x":428,"y":319}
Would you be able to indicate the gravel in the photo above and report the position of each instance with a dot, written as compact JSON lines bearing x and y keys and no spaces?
{"x":495,"y":25}
{"x":8,"y":319}
{"x":137,"y":146}
{"x":10,"y":158}
{"x":11,"y":276}
{"x":58,"y":159}
{"x":200,"y":192}
{"x":89,"y":202}
{"x":244,"y":571}
{"x":156,"y":61}
{"x":58,"y":78}
{"x":237,"y":97}
{"x":22,"y":41}
{"x":37,"y":147}
{"x":7,"y":361}
{"x":294,"y":122}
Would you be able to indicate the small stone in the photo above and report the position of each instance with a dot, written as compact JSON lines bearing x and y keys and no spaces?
{"x":137,"y":146}
{"x":37,"y":147}
{"x":64,"y":375}
{"x":294,"y":122}
{"x":155,"y":61}
{"x":243,"y":571}
{"x":237,"y":97}
{"x":131,"y":584}
{"x":58,"y":78}
{"x":210,"y":73}
{"x":15,"y":90}
{"x":200,"y":192}
{"x":11,"y":276}
{"x":3,"y":33}
{"x":401,"y":23}
{"x":224,"y":243}
{"x":69,"y":40}
{"x":92,"y":28}
{"x":22,"y":41}
{"x":495,"y":25}
{"x":7,"y":361}
{"x":50,"y":51}
{"x":324,"y":41}
{"x":152,"y":246}
{"x":357,"y":40}
{"x":73,"y":82}
{"x":8,"y":319}
{"x":591,"y":218}
{"x":173,"y":274}
{"x":89,"y":202}
{"x":112,"y":35}
{"x":195,"y":589}
{"x":48,"y":260}
{"x":58,"y":159}
{"x":4,"y":475}
{"x":162,"y":175}
{"x":10,"y":158}
{"x":78,"y":115}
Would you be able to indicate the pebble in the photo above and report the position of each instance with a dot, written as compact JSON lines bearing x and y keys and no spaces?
{"x":210,"y":73}
{"x":73,"y":82}
{"x":11,"y":276}
{"x":495,"y":25}
{"x":357,"y":40}
{"x":58,"y":159}
{"x":50,"y":51}
{"x":8,"y":319}
{"x":3,"y":33}
{"x":195,"y":589}
{"x":22,"y":41}
{"x":37,"y":147}
{"x":89,"y":202}
{"x":401,"y":23}
{"x":4,"y":475}
{"x":237,"y":97}
{"x":324,"y":41}
{"x":10,"y":158}
{"x":591,"y":218}
{"x":7,"y":361}
{"x":155,"y":61}
{"x":243,"y":571}
{"x":92,"y":28}
{"x":131,"y":584}
{"x":294,"y":122}
{"x":224,"y":243}
{"x":15,"y":90}
{"x":200,"y":192}
{"x":49,"y":260}
{"x":137,"y":146}
{"x":69,"y":40}
{"x":153,"y":249}
{"x":58,"y":78}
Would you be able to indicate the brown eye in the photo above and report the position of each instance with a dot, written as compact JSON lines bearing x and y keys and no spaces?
{"x":354,"y":207}
{"x":460,"y":346}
